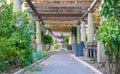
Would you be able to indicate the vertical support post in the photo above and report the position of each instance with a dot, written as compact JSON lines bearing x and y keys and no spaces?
{"x":90,"y":26}
{"x":83,"y":31}
{"x":32,"y":30}
{"x":17,"y":5}
{"x":78,"y":34}
{"x":70,"y":40}
{"x":8,"y":2}
{"x":100,"y":52}
{"x":100,"y":46}
{"x":73,"y":41}
{"x":38,"y":36}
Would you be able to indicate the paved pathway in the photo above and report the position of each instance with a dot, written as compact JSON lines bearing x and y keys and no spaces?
{"x":62,"y":63}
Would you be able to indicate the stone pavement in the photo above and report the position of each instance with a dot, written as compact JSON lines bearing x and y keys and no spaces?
{"x":62,"y":63}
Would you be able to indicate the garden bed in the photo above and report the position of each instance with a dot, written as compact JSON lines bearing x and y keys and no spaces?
{"x":34,"y":65}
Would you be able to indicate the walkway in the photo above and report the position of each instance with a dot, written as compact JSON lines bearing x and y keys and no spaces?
{"x":62,"y":63}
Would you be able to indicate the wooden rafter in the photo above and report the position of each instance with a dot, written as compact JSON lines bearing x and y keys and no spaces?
{"x":34,"y":9}
{"x":59,"y":11}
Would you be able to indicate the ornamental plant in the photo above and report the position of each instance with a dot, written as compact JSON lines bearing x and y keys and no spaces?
{"x":47,"y":39}
{"x":109,"y":33}
{"x":15,"y":39}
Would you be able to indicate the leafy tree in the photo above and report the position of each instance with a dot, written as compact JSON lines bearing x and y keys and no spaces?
{"x":15,"y":40}
{"x":109,"y":33}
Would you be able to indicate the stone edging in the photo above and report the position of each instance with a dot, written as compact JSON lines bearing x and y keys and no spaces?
{"x":21,"y":71}
{"x":86,"y":64}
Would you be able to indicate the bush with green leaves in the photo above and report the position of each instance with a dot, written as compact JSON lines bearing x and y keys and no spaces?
{"x":109,"y":33}
{"x":47,"y":39}
{"x":15,"y":39}
{"x":56,"y":46}
{"x":41,"y":54}
{"x":66,"y":39}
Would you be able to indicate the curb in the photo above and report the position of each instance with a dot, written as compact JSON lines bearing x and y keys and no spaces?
{"x":86,"y":64}
{"x":21,"y":71}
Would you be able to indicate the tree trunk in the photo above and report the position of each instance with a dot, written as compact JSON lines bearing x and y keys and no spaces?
{"x":49,"y":47}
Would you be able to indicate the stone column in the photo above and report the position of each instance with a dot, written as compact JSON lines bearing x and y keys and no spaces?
{"x":17,"y":5}
{"x":8,"y":2}
{"x":78,"y":33}
{"x":100,"y":52}
{"x":73,"y":41}
{"x":70,"y":40}
{"x":90,"y":27}
{"x":83,"y":31}
{"x":38,"y":36}
{"x":100,"y":46}
{"x":32,"y":30}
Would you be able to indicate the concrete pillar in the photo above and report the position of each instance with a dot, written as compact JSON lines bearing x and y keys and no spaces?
{"x":100,"y":46}
{"x":47,"y":32}
{"x":32,"y":30}
{"x":38,"y":36}
{"x":78,"y":34}
{"x":17,"y":5}
{"x":90,"y":27}
{"x":8,"y":1}
{"x":70,"y":39}
{"x":83,"y":31}
{"x":100,"y":52}
{"x":73,"y":41}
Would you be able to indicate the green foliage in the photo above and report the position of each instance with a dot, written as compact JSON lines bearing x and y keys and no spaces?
{"x":47,"y":39}
{"x":15,"y":39}
{"x":33,"y":69}
{"x":66,"y":39}
{"x":109,"y":33}
{"x":41,"y":54}
{"x":110,"y":8}
{"x":56,"y":46}
{"x":74,"y":31}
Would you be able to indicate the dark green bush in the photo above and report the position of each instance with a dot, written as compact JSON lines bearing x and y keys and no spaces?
{"x":15,"y":39}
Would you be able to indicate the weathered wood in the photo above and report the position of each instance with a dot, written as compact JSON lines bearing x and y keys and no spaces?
{"x":61,"y":18}
{"x":90,"y":8}
{"x":60,"y":22}
{"x":60,"y":15}
{"x":37,"y":5}
{"x":60,"y":0}
{"x":34,"y":9}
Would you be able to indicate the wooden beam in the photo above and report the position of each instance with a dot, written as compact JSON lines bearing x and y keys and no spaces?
{"x":60,"y":15}
{"x":61,"y":29}
{"x":61,"y":18}
{"x":37,"y":5}
{"x":60,"y":22}
{"x":90,"y":8}
{"x":59,"y":0}
{"x":33,"y":8}
{"x":63,"y":9}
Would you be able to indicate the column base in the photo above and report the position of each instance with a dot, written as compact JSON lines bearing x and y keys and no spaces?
{"x":39,"y":46}
{"x":34,"y":44}
{"x":100,"y":52}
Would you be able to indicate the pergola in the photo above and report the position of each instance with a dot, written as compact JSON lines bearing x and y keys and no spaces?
{"x":80,"y":13}
{"x":60,"y":12}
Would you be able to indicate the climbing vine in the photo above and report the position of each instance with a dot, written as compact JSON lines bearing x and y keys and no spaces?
{"x":109,"y":33}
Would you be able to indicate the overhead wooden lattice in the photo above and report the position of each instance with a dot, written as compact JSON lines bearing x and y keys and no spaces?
{"x":57,"y":12}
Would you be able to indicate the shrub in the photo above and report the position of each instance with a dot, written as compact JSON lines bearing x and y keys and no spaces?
{"x":15,"y":39}
{"x":56,"y":46}
{"x":41,"y":54}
